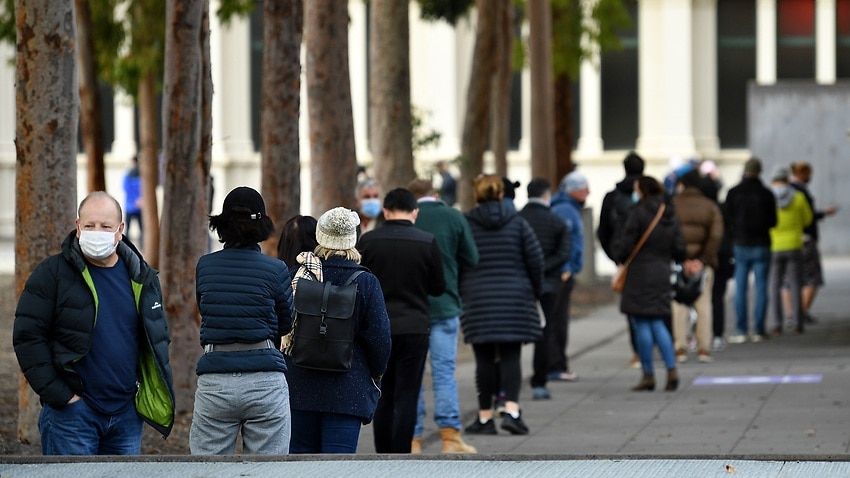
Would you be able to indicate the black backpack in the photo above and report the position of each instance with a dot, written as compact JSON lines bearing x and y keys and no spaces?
{"x":323,"y":331}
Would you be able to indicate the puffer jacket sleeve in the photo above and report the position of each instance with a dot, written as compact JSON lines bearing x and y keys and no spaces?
{"x":284,"y":307}
{"x":33,"y":325}
{"x":533,"y":255}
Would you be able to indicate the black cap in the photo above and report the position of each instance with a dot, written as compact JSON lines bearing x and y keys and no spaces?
{"x":244,"y":201}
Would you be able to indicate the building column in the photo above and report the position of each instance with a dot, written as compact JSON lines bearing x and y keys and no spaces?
{"x":7,"y":141}
{"x":231,"y":73}
{"x":665,"y":79}
{"x":705,"y":78}
{"x":358,"y":60}
{"x":433,"y":83}
{"x":124,"y":145}
{"x":589,"y":143}
{"x":825,"y":41}
{"x":765,"y":42}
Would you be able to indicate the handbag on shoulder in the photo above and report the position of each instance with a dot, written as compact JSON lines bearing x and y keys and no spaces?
{"x":618,"y":282}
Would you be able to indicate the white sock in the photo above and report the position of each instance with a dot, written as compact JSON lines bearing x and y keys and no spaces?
{"x":514,"y":414}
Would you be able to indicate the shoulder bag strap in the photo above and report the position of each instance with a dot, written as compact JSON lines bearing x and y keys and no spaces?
{"x":646,"y":234}
{"x":353,"y":276}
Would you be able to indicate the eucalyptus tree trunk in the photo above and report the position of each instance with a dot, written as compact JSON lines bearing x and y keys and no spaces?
{"x":542,"y":111}
{"x":501,"y":99}
{"x":390,"y":130}
{"x":149,"y":166}
{"x":186,"y":124}
{"x":283,"y":27}
{"x":476,"y":125}
{"x":333,"y":163}
{"x":90,"y":106}
{"x":46,"y":103}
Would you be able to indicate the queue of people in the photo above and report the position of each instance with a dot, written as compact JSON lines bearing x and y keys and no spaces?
{"x":91,"y":335}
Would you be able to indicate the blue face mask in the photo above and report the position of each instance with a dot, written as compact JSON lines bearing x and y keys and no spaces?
{"x":370,"y":207}
{"x":635,"y":197}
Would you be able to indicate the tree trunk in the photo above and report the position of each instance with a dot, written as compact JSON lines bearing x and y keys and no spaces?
{"x":149,"y":166}
{"x":333,"y":163}
{"x":46,"y":103}
{"x":501,"y":99}
{"x":563,"y":125}
{"x":542,"y":111}
{"x":184,"y":213}
{"x":389,"y":94}
{"x":283,"y":23}
{"x":476,"y":125}
{"x":90,"y":117}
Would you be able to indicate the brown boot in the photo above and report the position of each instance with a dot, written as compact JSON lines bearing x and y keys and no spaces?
{"x":646,"y":384}
{"x":672,"y":379}
{"x":453,"y":443}
{"x":416,"y":446}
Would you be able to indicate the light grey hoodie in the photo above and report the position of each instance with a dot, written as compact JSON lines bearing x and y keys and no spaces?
{"x":784,"y":193}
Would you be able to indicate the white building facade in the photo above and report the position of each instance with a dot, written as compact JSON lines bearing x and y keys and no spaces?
{"x":677,"y":88}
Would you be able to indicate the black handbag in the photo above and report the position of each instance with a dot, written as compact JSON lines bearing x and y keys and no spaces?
{"x":687,"y":289}
{"x":323,"y":335}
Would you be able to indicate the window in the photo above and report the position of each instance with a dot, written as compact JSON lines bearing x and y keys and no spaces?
{"x":842,"y":68}
{"x":620,"y":89}
{"x":736,"y":67}
{"x":795,"y":31}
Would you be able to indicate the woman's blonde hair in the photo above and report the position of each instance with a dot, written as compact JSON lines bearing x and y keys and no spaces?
{"x":488,"y":187}
{"x":324,"y":253}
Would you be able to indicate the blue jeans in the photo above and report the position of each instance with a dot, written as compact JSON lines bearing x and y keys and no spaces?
{"x":650,"y":331}
{"x":756,"y":259}
{"x":442,"y":347}
{"x":77,"y":429}
{"x":255,"y":404}
{"x":324,"y":432}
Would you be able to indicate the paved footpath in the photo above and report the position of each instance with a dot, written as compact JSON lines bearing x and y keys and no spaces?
{"x":779,"y":408}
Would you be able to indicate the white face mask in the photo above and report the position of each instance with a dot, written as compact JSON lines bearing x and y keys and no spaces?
{"x":97,"y":244}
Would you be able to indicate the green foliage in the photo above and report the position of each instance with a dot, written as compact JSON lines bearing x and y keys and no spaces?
{"x":607,"y":17}
{"x":234,"y":8}
{"x":422,"y":139}
{"x":7,"y":22}
{"x":449,"y":11}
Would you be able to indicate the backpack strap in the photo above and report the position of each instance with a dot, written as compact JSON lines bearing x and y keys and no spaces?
{"x":353,"y":276}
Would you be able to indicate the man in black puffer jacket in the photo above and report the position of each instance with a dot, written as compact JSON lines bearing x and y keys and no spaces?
{"x":555,"y":242}
{"x":91,"y":338}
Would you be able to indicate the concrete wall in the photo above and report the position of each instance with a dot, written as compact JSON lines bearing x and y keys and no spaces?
{"x":802,"y":121}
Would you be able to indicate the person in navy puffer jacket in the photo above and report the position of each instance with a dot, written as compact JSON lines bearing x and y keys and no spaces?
{"x":245,"y":300}
{"x":500,"y":302}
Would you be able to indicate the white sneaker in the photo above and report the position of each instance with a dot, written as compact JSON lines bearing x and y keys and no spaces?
{"x":737,"y":339}
{"x":756,"y":338}
{"x":718,"y":344}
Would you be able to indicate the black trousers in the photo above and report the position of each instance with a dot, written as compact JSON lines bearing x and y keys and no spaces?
{"x":395,"y":417}
{"x":497,"y":365}
{"x":559,"y":328}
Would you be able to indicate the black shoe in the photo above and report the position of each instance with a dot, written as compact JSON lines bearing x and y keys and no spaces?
{"x":514,"y":425}
{"x":478,"y":428}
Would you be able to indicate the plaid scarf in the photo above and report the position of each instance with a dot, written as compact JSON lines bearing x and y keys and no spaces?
{"x":310,"y":269}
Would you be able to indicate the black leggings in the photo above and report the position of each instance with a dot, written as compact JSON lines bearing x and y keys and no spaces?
{"x":497,"y":365}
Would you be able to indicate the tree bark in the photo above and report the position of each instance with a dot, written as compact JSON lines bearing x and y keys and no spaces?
{"x":90,"y":116}
{"x":333,"y":163}
{"x":501,"y":99}
{"x":542,"y":111}
{"x":283,"y":27}
{"x":184,"y":214}
{"x":46,"y":103}
{"x":476,"y":125}
{"x":391,"y":140}
{"x":149,"y":166}
{"x":564,"y":129}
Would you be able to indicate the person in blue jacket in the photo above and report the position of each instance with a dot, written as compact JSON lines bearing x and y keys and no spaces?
{"x":245,"y":301}
{"x":567,"y":203}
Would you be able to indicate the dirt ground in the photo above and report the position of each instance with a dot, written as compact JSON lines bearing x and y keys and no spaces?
{"x":585,"y":298}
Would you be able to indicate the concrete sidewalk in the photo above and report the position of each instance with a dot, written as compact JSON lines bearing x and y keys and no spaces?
{"x":779,"y":408}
